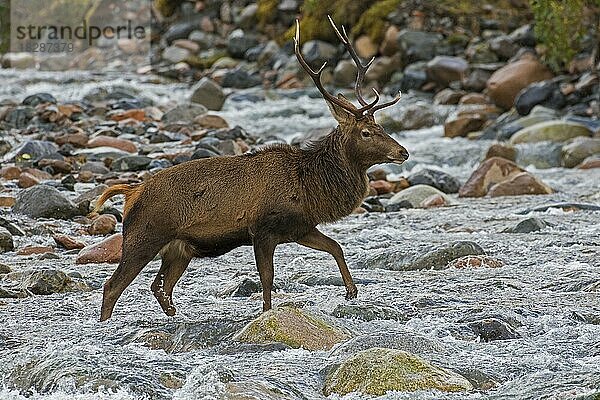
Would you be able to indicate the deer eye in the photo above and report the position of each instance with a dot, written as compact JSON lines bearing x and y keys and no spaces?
{"x":365,"y":133}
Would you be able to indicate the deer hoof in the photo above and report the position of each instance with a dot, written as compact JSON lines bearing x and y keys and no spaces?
{"x":170,"y":311}
{"x":351,"y":293}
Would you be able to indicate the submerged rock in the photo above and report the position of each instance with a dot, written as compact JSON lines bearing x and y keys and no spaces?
{"x":378,"y":370}
{"x":577,"y":151}
{"x":529,"y":225}
{"x":491,"y":329}
{"x":48,"y":281}
{"x":294,"y":327}
{"x":43,"y":201}
{"x":480,"y":261}
{"x":6,"y":241}
{"x":208,"y":93}
{"x":441,"y":257}
{"x":369,"y":312}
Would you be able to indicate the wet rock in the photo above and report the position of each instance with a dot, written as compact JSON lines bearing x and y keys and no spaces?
{"x":369,"y":312}
{"x":42,"y":201}
{"x":50,"y":281}
{"x":317,"y":52}
{"x":521,"y":184}
{"x":566,"y":206}
{"x":38,"y":98}
{"x":31,"y":250}
{"x":476,"y":79}
{"x":440,"y":258}
{"x":545,"y":93}
{"x":103,"y":225}
{"x":416,"y":194}
{"x":433,"y":201}
{"x":480,"y":53}
{"x":504,"y":84}
{"x":26,"y":180}
{"x":414,"y":116}
{"x":6,"y":241}
{"x":19,"y":117}
{"x":183,"y":113}
{"x":107,"y":141}
{"x":590,"y":163}
{"x":418,"y":45}
{"x":131,"y":163}
{"x":31,"y":150}
{"x":239,"y":42}
{"x":414,"y":76}
{"x":241,"y":79}
{"x":245,"y":288}
{"x":381,"y":70}
{"x":491,"y":329}
{"x":464,"y":123}
{"x":501,"y":150}
{"x":106,"y":251}
{"x":448,"y":96}
{"x":12,"y":228}
{"x":203,"y":153}
{"x":578,"y":150}
{"x":7,"y":201}
{"x":175,"y":54}
{"x":4,"y":269}
{"x":489,"y":172}
{"x":68,"y":242}
{"x":540,"y":155}
{"x":480,"y":261}
{"x":381,"y":186}
{"x":524,"y":36}
{"x":378,"y":370}
{"x":529,"y":225}
{"x":365,"y":47}
{"x":503,"y":46}
{"x":10,"y":172}
{"x":444,"y":69}
{"x":294,"y":327}
{"x":344,"y":73}
{"x":405,"y":340}
{"x":208,"y":93}
{"x":210,"y":121}
{"x":437,"y":179}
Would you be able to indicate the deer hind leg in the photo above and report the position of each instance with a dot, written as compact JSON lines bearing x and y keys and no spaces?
{"x":138,"y":250}
{"x":318,"y":241}
{"x":176,"y":257}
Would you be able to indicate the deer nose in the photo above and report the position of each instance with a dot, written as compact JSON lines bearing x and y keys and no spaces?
{"x":403,"y":154}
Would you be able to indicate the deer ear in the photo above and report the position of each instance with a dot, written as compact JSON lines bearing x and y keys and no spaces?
{"x":340,"y":113}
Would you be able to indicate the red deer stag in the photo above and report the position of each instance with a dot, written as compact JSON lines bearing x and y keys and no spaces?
{"x":277,"y":194}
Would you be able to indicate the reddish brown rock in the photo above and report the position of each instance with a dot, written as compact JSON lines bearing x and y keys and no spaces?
{"x":106,"y":251}
{"x":521,"y":184}
{"x":116,"y":143}
{"x":489,"y":172}
{"x":400,"y":184}
{"x":365,"y":47}
{"x":26,"y":180}
{"x":75,"y":139}
{"x":505,"y":151}
{"x":68,"y":242}
{"x":381,"y":186}
{"x":445,"y":69}
{"x":210,"y":121}
{"x":590,"y":163}
{"x":473,"y":98}
{"x":59,"y":166}
{"x":10,"y":172}
{"x":30,"y":250}
{"x":433,"y":201}
{"x":7,"y":201}
{"x":476,"y":262}
{"x":39,"y":174}
{"x":103,"y":225}
{"x":504,"y":84}
{"x":135,"y":114}
{"x":389,"y":45}
{"x":463,"y":124}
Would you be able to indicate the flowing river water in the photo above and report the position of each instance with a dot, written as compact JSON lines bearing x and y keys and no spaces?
{"x":53,"y":347}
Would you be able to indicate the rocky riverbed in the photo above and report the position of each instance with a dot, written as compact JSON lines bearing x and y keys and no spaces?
{"x":520,"y":320}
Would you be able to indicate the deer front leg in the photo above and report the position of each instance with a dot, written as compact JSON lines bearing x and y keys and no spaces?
{"x":318,"y":241}
{"x":264,"y":249}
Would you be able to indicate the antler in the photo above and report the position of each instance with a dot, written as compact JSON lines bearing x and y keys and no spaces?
{"x":316,"y":77}
{"x":361,"y":68}
{"x":369,"y":108}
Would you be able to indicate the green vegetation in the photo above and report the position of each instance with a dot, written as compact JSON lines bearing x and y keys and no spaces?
{"x":560,"y":25}
{"x":370,"y":22}
{"x":167,"y":7}
{"x":266,"y":12}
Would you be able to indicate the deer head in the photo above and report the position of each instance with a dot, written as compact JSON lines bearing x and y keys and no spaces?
{"x":365,"y":140}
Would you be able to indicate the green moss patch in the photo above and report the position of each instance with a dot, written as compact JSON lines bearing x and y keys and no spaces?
{"x":376,"y":371}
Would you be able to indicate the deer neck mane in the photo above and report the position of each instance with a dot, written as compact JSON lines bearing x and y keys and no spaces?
{"x":334,"y":183}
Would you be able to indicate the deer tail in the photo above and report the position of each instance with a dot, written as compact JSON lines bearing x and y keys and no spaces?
{"x":131,"y":193}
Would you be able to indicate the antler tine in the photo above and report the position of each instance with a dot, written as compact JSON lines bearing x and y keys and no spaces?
{"x":360,"y":67}
{"x":384,"y":105}
{"x":316,"y":77}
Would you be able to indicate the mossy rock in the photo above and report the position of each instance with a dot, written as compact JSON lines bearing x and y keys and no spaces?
{"x":167,"y":7}
{"x":266,"y":12}
{"x":378,"y":370}
{"x":294,"y":327}
{"x":552,"y":131}
{"x":370,"y":22}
